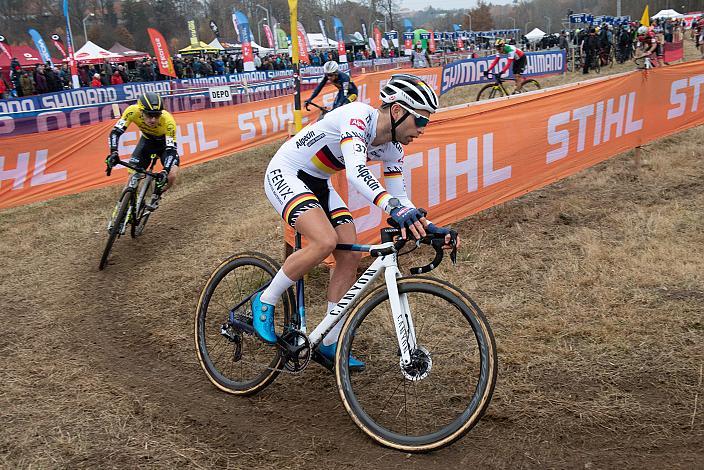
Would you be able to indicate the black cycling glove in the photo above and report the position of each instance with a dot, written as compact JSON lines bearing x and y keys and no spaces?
{"x":406,"y":216}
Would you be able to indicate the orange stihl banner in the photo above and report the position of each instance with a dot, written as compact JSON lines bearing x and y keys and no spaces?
{"x":469,"y":158}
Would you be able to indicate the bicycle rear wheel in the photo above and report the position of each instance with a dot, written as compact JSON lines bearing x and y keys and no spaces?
{"x":116,"y":224}
{"x":449,"y":386}
{"x":488,"y":92}
{"x":139,"y":222}
{"x":237,"y":362}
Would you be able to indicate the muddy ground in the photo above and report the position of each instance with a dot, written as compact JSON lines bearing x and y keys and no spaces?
{"x":593,"y":286}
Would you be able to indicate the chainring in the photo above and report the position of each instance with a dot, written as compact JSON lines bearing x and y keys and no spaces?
{"x":297,"y":351}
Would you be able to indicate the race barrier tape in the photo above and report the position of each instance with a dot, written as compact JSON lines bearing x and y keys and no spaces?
{"x":471,"y":71}
{"x":469,"y":158}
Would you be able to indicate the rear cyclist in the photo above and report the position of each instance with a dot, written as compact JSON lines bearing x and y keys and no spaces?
{"x":647,"y":45}
{"x":515,"y":56}
{"x":158,"y":129}
{"x":347,"y":89}
{"x":297,"y":183}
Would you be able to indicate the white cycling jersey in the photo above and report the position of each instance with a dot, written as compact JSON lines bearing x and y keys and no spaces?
{"x":297,"y":178}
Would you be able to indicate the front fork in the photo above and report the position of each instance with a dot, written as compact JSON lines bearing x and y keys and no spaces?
{"x":401,"y":313}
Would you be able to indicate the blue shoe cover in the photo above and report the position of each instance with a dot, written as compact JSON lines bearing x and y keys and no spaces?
{"x":329,"y":353}
{"x":263,"y":319}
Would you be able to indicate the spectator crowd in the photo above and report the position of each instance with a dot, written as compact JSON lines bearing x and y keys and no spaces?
{"x":605,"y":41}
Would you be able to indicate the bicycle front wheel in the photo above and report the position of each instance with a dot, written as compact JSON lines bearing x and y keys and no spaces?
{"x":115,"y":227}
{"x":489,"y":91}
{"x":237,"y":362}
{"x":447,"y":388}
{"x":530,"y":85}
{"x":596,"y":64}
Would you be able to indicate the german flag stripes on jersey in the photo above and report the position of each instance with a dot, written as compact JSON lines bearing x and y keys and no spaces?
{"x":340,"y":141}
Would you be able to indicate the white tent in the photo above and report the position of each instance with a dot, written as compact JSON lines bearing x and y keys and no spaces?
{"x":667,"y":14}
{"x":317,"y":41}
{"x":216,"y":44}
{"x":92,"y":53}
{"x":535,"y":35}
{"x":261,"y":50}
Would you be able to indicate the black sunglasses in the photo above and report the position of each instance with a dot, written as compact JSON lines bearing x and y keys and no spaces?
{"x":421,"y":121}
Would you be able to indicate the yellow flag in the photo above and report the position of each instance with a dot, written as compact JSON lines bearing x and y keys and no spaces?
{"x":645,"y":19}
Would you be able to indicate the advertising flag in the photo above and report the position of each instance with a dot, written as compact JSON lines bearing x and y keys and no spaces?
{"x":645,"y":19}
{"x":408,"y":36}
{"x":269,"y":36}
{"x":245,"y":34}
{"x":302,"y":44}
{"x":40,"y":45}
{"x":215,"y":29}
{"x":364,"y":31}
{"x":340,"y":38}
{"x":59,"y":44}
{"x":377,"y":40}
{"x":161,"y":52}
{"x":275,"y":27}
{"x":69,"y":43}
{"x":321,"y":22}
{"x":5,"y":47}
{"x":192,"y":30}
{"x":431,"y":42}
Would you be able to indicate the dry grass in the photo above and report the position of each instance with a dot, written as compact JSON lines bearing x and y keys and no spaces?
{"x":593,"y":286}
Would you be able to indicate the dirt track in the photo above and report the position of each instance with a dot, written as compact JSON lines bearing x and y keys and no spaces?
{"x":593,"y":286}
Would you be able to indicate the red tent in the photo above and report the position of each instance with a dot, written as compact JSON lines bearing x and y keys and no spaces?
{"x":27,"y":56}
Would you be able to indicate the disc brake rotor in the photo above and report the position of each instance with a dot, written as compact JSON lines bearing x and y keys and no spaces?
{"x":420,"y":366}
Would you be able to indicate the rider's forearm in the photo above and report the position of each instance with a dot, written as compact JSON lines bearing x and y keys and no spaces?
{"x":354,"y":152}
{"x":171,"y":158}
{"x":317,"y":90}
{"x":396,"y":185}
{"x":114,"y":138}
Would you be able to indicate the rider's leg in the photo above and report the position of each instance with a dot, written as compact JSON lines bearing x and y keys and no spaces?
{"x":341,"y":279}
{"x":171,"y":178}
{"x":343,"y":275}
{"x":519,"y":82}
{"x":321,"y":239}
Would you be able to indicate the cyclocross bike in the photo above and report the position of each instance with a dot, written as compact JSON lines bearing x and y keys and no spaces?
{"x":499,"y":89}
{"x":430,"y":360}
{"x":323,"y":109}
{"x":644,"y":62}
{"x":132,"y":208}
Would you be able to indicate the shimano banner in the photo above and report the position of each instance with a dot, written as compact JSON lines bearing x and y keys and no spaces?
{"x":471,"y":71}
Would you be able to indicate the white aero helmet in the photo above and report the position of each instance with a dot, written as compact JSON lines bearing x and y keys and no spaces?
{"x":331,"y":67}
{"x":643,"y":30}
{"x":411,"y":91}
